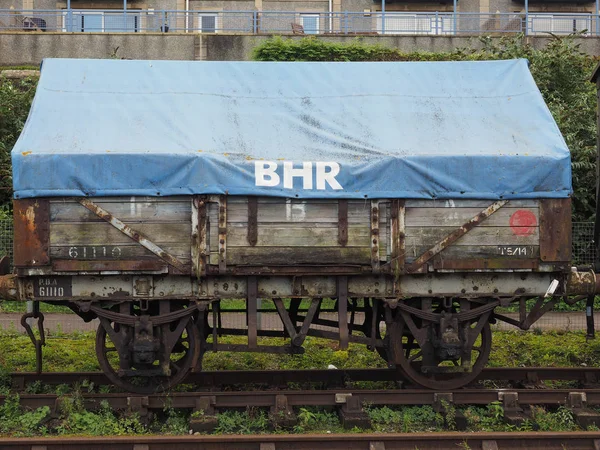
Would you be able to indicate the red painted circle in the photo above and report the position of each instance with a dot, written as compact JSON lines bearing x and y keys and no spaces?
{"x":523,"y":222}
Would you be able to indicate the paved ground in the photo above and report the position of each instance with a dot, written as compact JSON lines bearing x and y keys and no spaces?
{"x":69,"y":323}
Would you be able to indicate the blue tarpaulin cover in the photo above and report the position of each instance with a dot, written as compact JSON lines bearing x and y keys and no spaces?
{"x":300,"y":129}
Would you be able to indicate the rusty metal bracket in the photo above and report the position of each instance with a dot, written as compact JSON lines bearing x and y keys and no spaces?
{"x":222,"y":234}
{"x":252,"y":312}
{"x":398,"y":237}
{"x":540,"y":308}
{"x":131,"y":233}
{"x":9,"y":287}
{"x":455,"y":235}
{"x":4,"y":265}
{"x":343,"y":222}
{"x":31,"y":232}
{"x":342,"y":300}
{"x":375,"y":236}
{"x":252,"y":220}
{"x":199,"y":236}
{"x":38,"y":343}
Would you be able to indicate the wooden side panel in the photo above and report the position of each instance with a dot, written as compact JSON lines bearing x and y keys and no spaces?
{"x":293,"y":231}
{"x":511,"y":234}
{"x":77,"y":234}
{"x":555,"y":230}
{"x":31,"y":228}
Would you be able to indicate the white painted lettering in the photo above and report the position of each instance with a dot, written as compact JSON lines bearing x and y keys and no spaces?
{"x":328,"y":176}
{"x":289,"y":173}
{"x":264,"y":173}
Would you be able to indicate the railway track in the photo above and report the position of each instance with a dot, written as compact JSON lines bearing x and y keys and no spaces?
{"x":349,"y":403}
{"x":217,"y":391}
{"x":586,"y":376}
{"x":421,"y":441}
{"x":328,"y":397}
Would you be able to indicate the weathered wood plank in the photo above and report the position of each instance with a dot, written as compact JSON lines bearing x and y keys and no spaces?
{"x":299,"y":211}
{"x":468,"y":203}
{"x":126,"y":211}
{"x":484,"y":264}
{"x":479,"y":252}
{"x":455,"y":217}
{"x":102,"y":233}
{"x":297,"y":255}
{"x":419,"y":236}
{"x":127,"y":199}
{"x":108,"y":252}
{"x":279,"y":236}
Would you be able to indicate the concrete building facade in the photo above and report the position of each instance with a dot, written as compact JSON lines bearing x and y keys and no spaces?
{"x":313,"y":16}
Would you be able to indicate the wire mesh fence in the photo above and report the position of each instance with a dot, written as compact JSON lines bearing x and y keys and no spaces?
{"x":6,"y":238}
{"x":584,"y":251}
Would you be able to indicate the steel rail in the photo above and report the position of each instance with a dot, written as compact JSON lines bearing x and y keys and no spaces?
{"x":329,"y":397}
{"x":277,"y":378}
{"x":422,"y":441}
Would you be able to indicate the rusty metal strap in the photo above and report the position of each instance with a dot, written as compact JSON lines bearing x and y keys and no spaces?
{"x":252,"y":221}
{"x":343,"y":222}
{"x":222,"y":234}
{"x":126,"y":319}
{"x":133,"y":234}
{"x":455,"y":235}
{"x":38,"y":343}
{"x":461,"y":316}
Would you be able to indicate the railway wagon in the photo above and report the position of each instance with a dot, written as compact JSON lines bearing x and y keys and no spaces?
{"x":419,"y":197}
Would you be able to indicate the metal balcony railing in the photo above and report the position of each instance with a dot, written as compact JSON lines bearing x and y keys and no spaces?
{"x":278,"y":22}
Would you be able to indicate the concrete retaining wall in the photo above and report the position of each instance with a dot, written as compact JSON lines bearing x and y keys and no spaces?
{"x":31,"y":48}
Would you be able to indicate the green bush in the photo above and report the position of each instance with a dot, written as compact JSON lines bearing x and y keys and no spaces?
{"x":15,"y":101}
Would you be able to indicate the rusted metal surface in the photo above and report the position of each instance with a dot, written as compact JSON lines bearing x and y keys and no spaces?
{"x":64,"y":265}
{"x":222,"y":233}
{"x":455,"y":235}
{"x":343,"y":222}
{"x":4,"y":265}
{"x":375,"y":236}
{"x":483,"y":264}
{"x":295,"y":270}
{"x":398,"y":235}
{"x":555,"y":230}
{"x":252,"y":312}
{"x":31,"y":232}
{"x":37,"y":342}
{"x":8,"y":287}
{"x":252,"y":220}
{"x":583,"y":283}
{"x":361,"y":441}
{"x":342,"y":299}
{"x":133,"y":234}
{"x":200,"y":240}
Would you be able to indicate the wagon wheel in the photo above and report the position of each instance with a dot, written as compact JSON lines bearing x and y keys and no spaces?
{"x":424,"y":367}
{"x":186,"y":349}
